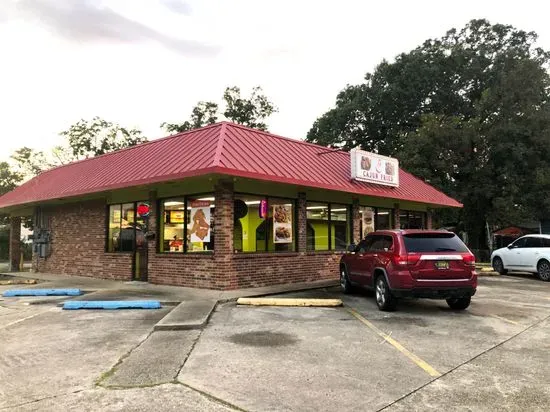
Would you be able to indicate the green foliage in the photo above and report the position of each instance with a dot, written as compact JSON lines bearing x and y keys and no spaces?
{"x":30,"y":162}
{"x":251,"y":111}
{"x":89,"y":138}
{"x":9,"y":179}
{"x":468,"y":112}
{"x":203,"y":114}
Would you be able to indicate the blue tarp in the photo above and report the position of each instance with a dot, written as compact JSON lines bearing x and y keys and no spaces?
{"x":112,"y":304}
{"x":42,"y":292}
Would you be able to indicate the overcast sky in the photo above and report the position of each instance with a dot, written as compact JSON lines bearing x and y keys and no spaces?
{"x":143,"y":62}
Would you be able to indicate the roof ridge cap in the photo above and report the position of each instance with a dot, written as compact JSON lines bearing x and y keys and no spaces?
{"x":219,"y":147}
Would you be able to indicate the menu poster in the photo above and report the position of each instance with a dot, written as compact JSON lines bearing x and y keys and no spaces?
{"x":200,"y":221}
{"x":282,"y":223}
{"x":367,"y":216}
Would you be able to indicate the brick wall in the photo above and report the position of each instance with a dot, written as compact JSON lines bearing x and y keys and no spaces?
{"x":263,"y":269}
{"x":78,"y":233}
{"x":78,"y":248}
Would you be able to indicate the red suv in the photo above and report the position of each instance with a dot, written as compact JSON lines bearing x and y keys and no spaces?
{"x":411,"y":263}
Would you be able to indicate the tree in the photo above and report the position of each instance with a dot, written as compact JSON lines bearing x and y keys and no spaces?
{"x":9,"y":179}
{"x":30,"y":162}
{"x":467,"y":112}
{"x":251,"y":111}
{"x":96,"y":137}
{"x":203,"y":114}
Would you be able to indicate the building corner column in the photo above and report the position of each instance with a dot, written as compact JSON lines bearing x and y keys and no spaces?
{"x":302,"y":222}
{"x":225,"y":276}
{"x":396,"y":216}
{"x":355,"y":222}
{"x":153,"y":236}
{"x":15,"y":244}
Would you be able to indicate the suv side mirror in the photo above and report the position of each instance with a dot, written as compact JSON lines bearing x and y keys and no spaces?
{"x":351,"y":248}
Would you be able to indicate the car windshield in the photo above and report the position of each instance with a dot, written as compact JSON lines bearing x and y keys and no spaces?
{"x":434,"y":242}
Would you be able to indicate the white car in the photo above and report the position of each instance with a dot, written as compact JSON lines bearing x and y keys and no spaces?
{"x":530,"y":253}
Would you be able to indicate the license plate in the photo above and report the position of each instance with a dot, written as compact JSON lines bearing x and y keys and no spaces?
{"x":442,"y":264}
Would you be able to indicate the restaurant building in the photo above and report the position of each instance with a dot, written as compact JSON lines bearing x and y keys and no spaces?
{"x":221,"y":207}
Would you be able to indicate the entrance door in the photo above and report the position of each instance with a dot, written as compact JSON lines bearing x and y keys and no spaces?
{"x":140,"y":248}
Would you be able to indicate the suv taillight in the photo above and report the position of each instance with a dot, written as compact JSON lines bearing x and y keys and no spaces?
{"x":404,"y":260}
{"x":469,"y":260}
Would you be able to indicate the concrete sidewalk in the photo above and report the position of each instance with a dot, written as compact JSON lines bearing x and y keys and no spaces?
{"x":193,"y":306}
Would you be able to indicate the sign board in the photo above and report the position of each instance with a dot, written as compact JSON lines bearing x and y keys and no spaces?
{"x":374,"y":168}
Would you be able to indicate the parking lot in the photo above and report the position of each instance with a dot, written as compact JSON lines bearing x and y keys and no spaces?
{"x":493,"y":356}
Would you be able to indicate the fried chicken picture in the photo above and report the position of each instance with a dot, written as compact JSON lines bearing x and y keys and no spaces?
{"x":365,"y":163}
{"x":281,"y":214}
{"x":200,"y":225}
{"x":389,"y":169}
{"x":282,"y":232}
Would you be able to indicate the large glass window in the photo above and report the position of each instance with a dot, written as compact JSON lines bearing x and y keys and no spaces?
{"x":339,"y":226}
{"x":383,"y":219}
{"x":328,"y":226}
{"x":187,"y":224}
{"x":125,"y":228}
{"x":263,"y":224}
{"x":409,"y":219}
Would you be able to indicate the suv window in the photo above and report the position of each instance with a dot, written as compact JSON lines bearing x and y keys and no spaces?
{"x":382,"y":243}
{"x":364,"y":245}
{"x":434,"y":242}
{"x":533,"y":242}
{"x":545,"y":242}
{"x":520,"y":242}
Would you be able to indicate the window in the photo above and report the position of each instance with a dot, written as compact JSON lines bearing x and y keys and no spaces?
{"x":411,"y":220}
{"x":533,"y":242}
{"x":339,"y":226}
{"x":328,"y":226}
{"x":125,"y":228}
{"x":383,"y":219}
{"x":434,"y":242}
{"x":520,"y":242}
{"x":545,"y":242}
{"x":187,"y":224}
{"x":263,"y":224}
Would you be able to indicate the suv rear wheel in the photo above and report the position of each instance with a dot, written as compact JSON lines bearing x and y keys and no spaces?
{"x":459,"y":303}
{"x":384,"y":299}
{"x":345,"y":284}
{"x":543,"y":270}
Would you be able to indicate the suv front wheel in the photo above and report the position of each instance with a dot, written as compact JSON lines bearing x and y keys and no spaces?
{"x":384,"y":299}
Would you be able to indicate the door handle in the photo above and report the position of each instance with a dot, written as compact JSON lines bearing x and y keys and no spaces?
{"x":375,"y":255}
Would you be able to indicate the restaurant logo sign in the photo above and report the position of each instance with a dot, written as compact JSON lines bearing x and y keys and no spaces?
{"x":374,"y":168}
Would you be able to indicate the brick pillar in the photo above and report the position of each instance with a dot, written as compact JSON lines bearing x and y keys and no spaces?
{"x":302,"y":222}
{"x":355,"y":222}
{"x":152,"y":227}
{"x":396,"y":218}
{"x":226,"y":277}
{"x":15,"y":244}
{"x":429,"y":219}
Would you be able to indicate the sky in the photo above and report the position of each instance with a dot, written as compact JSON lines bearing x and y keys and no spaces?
{"x":142,"y":62}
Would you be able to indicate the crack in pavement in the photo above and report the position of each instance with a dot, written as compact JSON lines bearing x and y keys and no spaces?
{"x":464,"y":363}
{"x":42,"y":399}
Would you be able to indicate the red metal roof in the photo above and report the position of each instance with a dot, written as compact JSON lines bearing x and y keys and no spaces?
{"x":224,"y":148}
